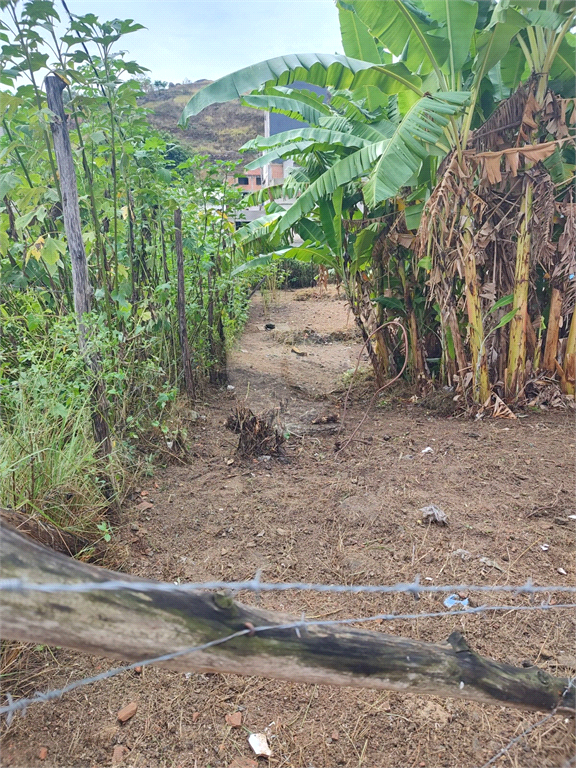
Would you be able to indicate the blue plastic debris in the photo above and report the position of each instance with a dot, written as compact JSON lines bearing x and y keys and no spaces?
{"x":453,"y":600}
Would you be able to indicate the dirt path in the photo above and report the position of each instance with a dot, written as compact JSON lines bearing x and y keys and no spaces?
{"x":507,"y":487}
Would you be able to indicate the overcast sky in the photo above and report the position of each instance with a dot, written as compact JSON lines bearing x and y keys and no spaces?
{"x":198,"y":39}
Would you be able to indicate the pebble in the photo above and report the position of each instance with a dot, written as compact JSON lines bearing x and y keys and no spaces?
{"x":127,"y":712}
{"x":118,"y":754}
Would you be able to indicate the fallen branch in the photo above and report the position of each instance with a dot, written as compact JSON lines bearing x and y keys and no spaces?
{"x":137,"y":625}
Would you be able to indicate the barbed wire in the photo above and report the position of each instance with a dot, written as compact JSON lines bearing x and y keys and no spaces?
{"x":302,"y":624}
{"x":255,"y":585}
{"x":14,"y":706}
{"x":415,"y":588}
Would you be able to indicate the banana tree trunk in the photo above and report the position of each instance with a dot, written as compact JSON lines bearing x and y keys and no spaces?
{"x":417,"y":362}
{"x":568,"y":385}
{"x":378,"y":365}
{"x":367,"y":321}
{"x":517,"y":348}
{"x":415,"y":353}
{"x":378,"y":319}
{"x":459,"y":351}
{"x":480,"y":381}
{"x":553,"y":330}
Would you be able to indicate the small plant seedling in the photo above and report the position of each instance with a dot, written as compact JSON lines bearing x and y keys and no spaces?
{"x":105,"y":530}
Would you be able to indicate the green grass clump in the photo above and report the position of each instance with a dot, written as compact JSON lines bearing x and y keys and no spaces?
{"x":49,"y":463}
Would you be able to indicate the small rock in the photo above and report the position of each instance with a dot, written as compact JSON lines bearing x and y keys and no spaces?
{"x":144,"y":505}
{"x":127,"y":712}
{"x":195,"y":716}
{"x":490,"y":563}
{"x":298,"y":352}
{"x":243,"y":762}
{"x":234,"y":720}
{"x":138,"y":670}
{"x":118,"y":754}
{"x":561,"y":571}
{"x":334,"y":735}
{"x":269,"y":326}
{"x":43,"y":754}
{"x":230,"y":388}
{"x":134,"y":527}
{"x":462,"y":553}
{"x":282,"y":532}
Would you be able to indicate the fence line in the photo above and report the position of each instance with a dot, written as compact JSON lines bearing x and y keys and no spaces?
{"x":255,"y":585}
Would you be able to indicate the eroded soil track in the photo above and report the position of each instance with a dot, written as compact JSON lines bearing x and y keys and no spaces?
{"x":352,"y":517}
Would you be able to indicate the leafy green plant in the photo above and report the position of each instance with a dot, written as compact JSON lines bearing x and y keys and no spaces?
{"x":130,"y":180}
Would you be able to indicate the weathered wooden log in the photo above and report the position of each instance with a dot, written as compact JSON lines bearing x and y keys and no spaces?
{"x":139,"y":624}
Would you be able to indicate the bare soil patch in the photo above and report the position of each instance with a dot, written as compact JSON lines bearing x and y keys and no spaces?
{"x":351,"y":518}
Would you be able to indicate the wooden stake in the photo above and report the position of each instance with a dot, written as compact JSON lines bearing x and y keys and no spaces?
{"x":80,"y":278}
{"x":181,"y":302}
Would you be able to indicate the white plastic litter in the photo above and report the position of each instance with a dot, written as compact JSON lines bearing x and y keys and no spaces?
{"x":259,"y":744}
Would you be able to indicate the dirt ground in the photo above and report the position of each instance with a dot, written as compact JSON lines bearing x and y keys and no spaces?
{"x":351,"y":517}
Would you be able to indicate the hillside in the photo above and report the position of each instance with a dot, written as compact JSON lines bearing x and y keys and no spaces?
{"x":218,"y":131}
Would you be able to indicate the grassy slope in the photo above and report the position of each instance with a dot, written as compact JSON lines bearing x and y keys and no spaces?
{"x":218,"y":131}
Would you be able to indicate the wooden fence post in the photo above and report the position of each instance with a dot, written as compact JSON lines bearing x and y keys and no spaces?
{"x":181,"y":301}
{"x":80,"y":278}
{"x":139,"y":624}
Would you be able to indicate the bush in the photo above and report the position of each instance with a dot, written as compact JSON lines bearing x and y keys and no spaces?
{"x":298,"y":274}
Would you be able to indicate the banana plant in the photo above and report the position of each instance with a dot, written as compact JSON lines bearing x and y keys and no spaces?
{"x":444,"y":65}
